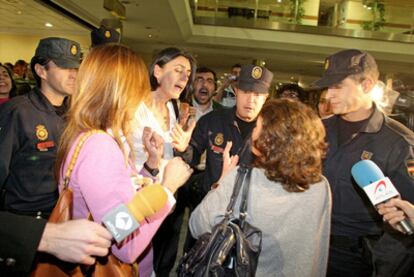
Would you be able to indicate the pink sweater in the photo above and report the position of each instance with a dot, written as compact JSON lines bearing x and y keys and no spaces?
{"x":100,"y":181}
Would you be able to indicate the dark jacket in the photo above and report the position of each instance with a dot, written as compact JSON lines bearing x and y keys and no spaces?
{"x":387,"y":143}
{"x":20,"y":237}
{"x":30,"y":129}
{"x":211,"y":133}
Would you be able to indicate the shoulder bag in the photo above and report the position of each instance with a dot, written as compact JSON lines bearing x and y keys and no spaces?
{"x":233,"y":246}
{"x":49,"y":266}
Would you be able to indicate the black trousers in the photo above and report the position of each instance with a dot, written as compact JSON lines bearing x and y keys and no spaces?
{"x":347,"y":258}
{"x":166,"y":240}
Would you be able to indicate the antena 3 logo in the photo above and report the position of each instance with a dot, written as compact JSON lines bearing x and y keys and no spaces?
{"x":123,"y":221}
{"x":381,"y":191}
{"x":120,"y":222}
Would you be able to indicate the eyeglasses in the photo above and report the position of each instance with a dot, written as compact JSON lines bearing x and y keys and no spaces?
{"x":202,"y":80}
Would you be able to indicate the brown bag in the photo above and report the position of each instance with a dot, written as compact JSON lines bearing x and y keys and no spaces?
{"x":48,"y":265}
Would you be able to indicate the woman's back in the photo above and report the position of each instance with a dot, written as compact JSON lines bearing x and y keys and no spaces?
{"x":295,"y":225}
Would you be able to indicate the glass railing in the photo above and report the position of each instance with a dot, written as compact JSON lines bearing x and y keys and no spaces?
{"x":377,"y":19}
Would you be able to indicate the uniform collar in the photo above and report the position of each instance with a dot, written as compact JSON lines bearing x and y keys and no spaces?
{"x":374,"y":121}
{"x":41,"y":102}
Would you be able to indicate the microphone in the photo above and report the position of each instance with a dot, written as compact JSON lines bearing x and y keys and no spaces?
{"x":378,"y":188}
{"x":125,"y":219}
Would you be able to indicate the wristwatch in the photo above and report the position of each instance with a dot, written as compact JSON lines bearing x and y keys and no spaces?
{"x":153,"y":171}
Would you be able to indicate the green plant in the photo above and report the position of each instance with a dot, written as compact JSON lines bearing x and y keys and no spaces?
{"x":378,"y":15}
{"x":297,"y":11}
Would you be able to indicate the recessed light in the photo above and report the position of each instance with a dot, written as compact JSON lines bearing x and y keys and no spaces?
{"x":19,"y":12}
{"x":47,"y":24}
{"x":149,"y":36}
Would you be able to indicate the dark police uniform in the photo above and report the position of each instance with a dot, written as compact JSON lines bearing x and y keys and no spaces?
{"x":30,"y":128}
{"x":20,"y":237}
{"x":29,"y":136}
{"x":361,"y":244}
{"x":387,"y":143}
{"x":216,"y":128}
{"x":211,"y":134}
{"x":382,"y":140}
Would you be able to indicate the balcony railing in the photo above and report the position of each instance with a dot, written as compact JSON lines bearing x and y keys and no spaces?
{"x":391,"y":20}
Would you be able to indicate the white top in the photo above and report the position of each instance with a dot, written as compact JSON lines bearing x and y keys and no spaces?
{"x":144,"y":117}
{"x":199,"y":113}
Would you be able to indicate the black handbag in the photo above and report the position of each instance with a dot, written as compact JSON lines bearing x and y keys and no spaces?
{"x":233,"y":246}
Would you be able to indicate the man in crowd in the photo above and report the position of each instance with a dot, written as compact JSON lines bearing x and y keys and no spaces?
{"x":30,"y":128}
{"x":204,"y":89}
{"x":226,"y":93}
{"x":214,"y":130}
{"x":359,"y":130}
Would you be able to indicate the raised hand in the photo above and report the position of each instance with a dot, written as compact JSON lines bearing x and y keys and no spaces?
{"x":180,"y":137}
{"x":229,"y":162}
{"x":176,"y":173}
{"x":154,"y":145}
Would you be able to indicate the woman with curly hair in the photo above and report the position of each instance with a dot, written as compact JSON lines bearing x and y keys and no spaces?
{"x":289,"y":199}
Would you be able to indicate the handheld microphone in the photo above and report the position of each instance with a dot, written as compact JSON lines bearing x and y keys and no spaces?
{"x":378,"y":188}
{"x":125,"y":219}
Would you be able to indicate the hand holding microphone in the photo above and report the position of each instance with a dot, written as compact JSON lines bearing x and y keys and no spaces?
{"x":395,"y":211}
{"x":125,"y":219}
{"x":378,"y":188}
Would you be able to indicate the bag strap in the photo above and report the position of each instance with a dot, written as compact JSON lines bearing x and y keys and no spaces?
{"x":75,"y":155}
{"x":245,"y":194}
{"x":241,"y":175}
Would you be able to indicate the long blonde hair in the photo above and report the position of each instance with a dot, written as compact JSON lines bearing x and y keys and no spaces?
{"x":112,"y":81}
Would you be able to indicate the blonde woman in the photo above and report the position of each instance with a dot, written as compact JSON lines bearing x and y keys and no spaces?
{"x":111,"y":83}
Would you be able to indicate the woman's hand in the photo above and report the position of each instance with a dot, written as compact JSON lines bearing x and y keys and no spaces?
{"x":176,"y":173}
{"x":180,"y":137}
{"x":154,"y":145}
{"x":229,"y":162}
{"x":395,"y":211}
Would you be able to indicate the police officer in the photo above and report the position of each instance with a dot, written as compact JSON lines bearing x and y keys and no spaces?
{"x":215,"y":129}
{"x":104,"y":35}
{"x":30,"y":127}
{"x":359,"y":130}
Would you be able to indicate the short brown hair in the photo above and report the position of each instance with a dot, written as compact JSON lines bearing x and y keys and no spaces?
{"x":291,"y":144}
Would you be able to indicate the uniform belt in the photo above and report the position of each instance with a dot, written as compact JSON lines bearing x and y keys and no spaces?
{"x":345,"y":242}
{"x":35,"y":214}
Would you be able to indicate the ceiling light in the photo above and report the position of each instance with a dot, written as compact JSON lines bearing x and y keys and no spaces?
{"x":279,"y":1}
{"x":19,"y":12}
{"x":47,"y":24}
{"x":149,"y":36}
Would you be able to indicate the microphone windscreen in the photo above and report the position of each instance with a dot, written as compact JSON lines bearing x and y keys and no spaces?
{"x":366,"y":172}
{"x":147,"y":201}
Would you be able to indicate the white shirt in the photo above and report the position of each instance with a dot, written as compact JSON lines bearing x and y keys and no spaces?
{"x":145,"y":118}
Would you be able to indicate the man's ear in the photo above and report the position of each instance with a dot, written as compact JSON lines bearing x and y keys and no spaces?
{"x":367,"y":84}
{"x":157,"y":72}
{"x":40,"y":71}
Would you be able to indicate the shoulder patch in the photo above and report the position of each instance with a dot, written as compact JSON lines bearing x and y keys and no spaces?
{"x":410,"y":167}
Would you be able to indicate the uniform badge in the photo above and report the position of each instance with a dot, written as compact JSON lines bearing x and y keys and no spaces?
{"x":326,"y":64}
{"x":257,"y":72}
{"x":410,"y":167}
{"x":366,"y":155}
{"x":41,"y":132}
{"x":107,"y":34}
{"x":74,"y":50}
{"x":219,"y":139}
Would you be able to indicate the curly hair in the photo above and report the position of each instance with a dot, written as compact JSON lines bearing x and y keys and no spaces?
{"x":291,"y":144}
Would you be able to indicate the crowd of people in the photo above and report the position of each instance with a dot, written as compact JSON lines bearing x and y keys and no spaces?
{"x":171,"y":124}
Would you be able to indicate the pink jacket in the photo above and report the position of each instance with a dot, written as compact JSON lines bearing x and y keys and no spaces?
{"x":100,"y":181}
